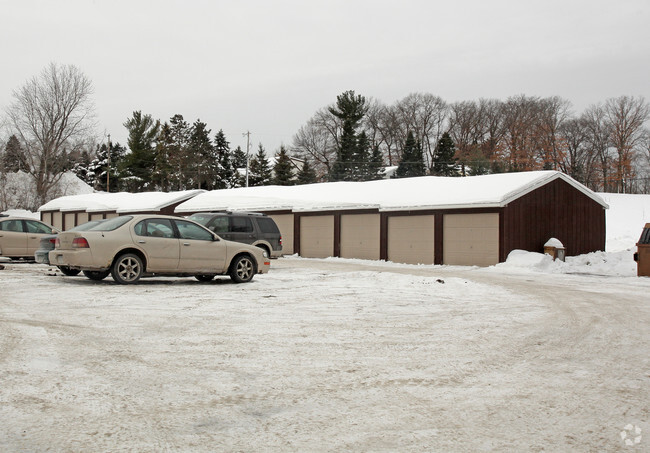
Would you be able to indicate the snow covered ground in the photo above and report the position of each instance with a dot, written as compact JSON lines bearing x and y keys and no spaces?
{"x":334,"y":355}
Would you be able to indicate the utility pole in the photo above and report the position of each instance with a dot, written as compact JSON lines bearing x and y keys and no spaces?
{"x":247,"y":134}
{"x":108,"y":166}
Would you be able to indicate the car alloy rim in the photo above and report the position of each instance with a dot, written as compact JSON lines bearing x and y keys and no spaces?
{"x":244,"y":268}
{"x":128,"y":269}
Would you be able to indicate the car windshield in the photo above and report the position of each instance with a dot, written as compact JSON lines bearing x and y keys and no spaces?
{"x":111,"y":224}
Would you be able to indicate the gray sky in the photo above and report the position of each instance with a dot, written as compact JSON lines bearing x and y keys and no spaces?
{"x":267,"y":66}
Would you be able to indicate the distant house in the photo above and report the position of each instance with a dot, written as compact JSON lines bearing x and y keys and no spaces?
{"x":70,"y":211}
{"x":474,"y":220}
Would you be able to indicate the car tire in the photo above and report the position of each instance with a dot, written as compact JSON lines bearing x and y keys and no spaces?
{"x":242,"y":269}
{"x":127,"y":269}
{"x":96,"y":275}
{"x":204,"y":278}
{"x":65,"y":270}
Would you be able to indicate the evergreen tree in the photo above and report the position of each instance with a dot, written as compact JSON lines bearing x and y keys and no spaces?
{"x":143,"y":131}
{"x":239,"y":158}
{"x":361,"y":161}
{"x":444,"y":162}
{"x":412,"y":162}
{"x":13,"y":159}
{"x":201,"y":156}
{"x":82,"y":170}
{"x":226,"y":177}
{"x":179,"y":157}
{"x":283,"y":169}
{"x":376,"y":167}
{"x":306,"y":175}
{"x":260,"y":173}
{"x":103,"y":168}
{"x":162,"y":169}
{"x":350,"y":109}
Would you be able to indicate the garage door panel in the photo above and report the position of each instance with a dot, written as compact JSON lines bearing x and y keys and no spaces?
{"x":411,"y":239}
{"x":317,"y":236}
{"x":360,"y":236}
{"x":285,"y":224}
{"x":471,"y":239}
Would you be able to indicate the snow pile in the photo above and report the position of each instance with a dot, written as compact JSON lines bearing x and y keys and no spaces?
{"x":620,"y":264}
{"x":22,"y":213}
{"x":626,"y":217}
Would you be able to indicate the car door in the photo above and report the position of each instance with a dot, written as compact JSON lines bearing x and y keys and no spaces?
{"x":35,"y":231}
{"x":200,"y":251}
{"x":13,"y":240}
{"x":157,"y":239}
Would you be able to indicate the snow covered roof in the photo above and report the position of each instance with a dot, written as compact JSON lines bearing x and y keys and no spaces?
{"x":426,"y":192}
{"x":121,"y":202}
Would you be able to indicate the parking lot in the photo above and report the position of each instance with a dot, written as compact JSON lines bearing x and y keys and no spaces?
{"x":324,"y":355}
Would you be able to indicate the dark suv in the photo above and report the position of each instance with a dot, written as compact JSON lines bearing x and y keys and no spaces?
{"x":247,"y":227}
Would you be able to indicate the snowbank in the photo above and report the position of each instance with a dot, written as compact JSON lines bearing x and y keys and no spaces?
{"x":626,"y":216}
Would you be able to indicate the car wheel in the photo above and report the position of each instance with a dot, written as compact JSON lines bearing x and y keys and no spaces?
{"x":127,"y":269}
{"x":204,"y":278}
{"x":69,"y":272}
{"x":96,"y":275}
{"x":242,"y":269}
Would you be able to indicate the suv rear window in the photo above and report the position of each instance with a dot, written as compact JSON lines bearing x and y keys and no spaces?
{"x":267,"y":225}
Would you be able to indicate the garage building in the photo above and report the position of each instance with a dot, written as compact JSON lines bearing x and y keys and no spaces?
{"x":69,"y":211}
{"x":474,"y":220}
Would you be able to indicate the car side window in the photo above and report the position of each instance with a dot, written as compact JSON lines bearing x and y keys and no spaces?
{"x":241,"y":225}
{"x":157,"y":228}
{"x":219,"y":224}
{"x":37,"y":227}
{"x":12,"y":225}
{"x":188,"y":230}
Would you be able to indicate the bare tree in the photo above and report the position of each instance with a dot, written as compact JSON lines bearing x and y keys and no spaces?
{"x":598,"y":141}
{"x":426,"y":116}
{"x":317,"y":141}
{"x":625,"y":117}
{"x":52,"y":115}
{"x":553,"y":113}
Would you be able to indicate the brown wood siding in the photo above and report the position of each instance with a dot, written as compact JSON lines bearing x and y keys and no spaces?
{"x":555,"y":210}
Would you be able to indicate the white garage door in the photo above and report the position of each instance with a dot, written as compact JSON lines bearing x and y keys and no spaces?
{"x":285,"y":224}
{"x":360,"y":237}
{"x":317,"y":236}
{"x":471,"y":239}
{"x":411,"y":239}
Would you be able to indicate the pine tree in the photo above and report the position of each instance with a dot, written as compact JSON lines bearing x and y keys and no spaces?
{"x":306,"y":175}
{"x":412,"y":162}
{"x":101,"y":165}
{"x":81,"y":168}
{"x":200,"y":154}
{"x":260,"y":173}
{"x":162,"y":169}
{"x":226,"y":176}
{"x":351,"y":109}
{"x":179,"y":156}
{"x":239,"y":158}
{"x":361,"y":161}
{"x":283,"y":169}
{"x":13,"y":159}
{"x":376,"y":167}
{"x":143,"y":131}
{"x":444,"y":162}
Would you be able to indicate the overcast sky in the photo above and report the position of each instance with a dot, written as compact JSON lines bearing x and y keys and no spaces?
{"x":267,"y":66}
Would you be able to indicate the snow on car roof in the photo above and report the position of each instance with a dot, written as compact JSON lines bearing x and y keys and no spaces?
{"x":121,"y":202}
{"x":426,"y":192}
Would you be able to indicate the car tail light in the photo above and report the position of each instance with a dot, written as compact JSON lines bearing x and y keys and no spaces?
{"x":80,"y":243}
{"x":57,"y":243}
{"x":53,"y":240}
{"x":280,"y":240}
